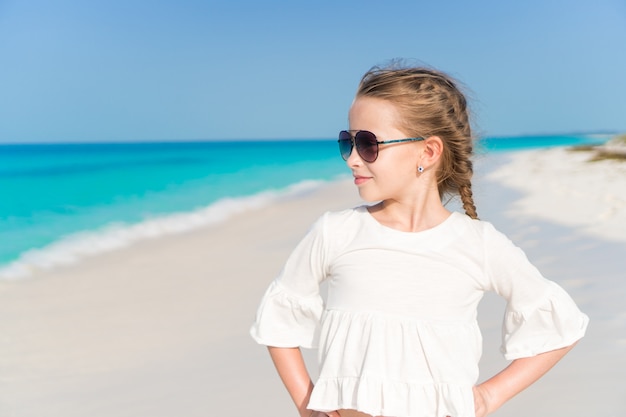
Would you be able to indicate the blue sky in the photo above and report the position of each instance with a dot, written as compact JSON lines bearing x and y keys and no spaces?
{"x":138,"y":70}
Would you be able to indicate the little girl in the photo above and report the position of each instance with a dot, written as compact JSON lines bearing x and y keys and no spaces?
{"x":397,"y":334}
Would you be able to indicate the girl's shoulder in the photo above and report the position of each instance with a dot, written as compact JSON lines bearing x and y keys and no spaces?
{"x":480,"y":230}
{"x":354,"y":214}
{"x":489,"y":240}
{"x":477,"y":225}
{"x":334,"y":230}
{"x":343,"y":220}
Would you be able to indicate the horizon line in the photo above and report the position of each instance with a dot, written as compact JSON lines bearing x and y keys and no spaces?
{"x":284,"y":139}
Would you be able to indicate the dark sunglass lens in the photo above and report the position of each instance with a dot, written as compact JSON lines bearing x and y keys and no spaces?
{"x":345,"y":148}
{"x":345,"y":144}
{"x":366,"y":145}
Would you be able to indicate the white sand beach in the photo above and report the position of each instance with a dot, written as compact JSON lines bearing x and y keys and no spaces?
{"x":556,"y":192}
{"x":161,"y":328}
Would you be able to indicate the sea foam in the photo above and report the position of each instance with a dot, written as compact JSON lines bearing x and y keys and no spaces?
{"x":71,"y":248}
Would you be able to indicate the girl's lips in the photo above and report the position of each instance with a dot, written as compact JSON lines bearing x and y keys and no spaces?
{"x":358,"y":180}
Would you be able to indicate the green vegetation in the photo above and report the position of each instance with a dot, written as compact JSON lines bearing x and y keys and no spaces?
{"x":583,"y":148}
{"x":614,"y":149}
{"x":604,"y":155}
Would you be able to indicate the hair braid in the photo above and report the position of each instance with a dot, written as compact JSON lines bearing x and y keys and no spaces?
{"x":431,"y":104}
{"x":459,"y":171}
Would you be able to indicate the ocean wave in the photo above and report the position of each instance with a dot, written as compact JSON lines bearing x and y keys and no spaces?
{"x":71,"y":248}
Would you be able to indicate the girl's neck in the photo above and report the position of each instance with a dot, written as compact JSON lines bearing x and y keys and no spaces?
{"x":410,"y":217}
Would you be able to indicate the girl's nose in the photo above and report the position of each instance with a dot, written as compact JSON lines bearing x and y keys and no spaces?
{"x":354,"y":159}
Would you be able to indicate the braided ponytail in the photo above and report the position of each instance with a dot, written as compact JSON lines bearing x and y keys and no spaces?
{"x":431,"y":104}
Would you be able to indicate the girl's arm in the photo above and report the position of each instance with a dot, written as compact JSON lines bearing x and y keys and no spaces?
{"x":516,"y":377}
{"x":292,"y":370}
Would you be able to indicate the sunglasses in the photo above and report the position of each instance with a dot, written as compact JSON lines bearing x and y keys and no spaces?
{"x":365,"y":142}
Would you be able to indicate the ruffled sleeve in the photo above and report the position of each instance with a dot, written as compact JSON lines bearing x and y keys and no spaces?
{"x":540,"y":316}
{"x":290,"y":311}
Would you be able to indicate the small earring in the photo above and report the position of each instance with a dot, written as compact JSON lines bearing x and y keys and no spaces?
{"x":420,"y":169}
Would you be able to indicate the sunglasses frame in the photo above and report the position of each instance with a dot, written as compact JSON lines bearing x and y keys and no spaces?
{"x":353,"y":143}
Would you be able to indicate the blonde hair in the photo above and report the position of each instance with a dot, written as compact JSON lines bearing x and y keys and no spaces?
{"x":430,"y":104}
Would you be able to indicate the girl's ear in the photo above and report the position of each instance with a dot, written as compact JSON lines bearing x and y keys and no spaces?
{"x":432,"y":150}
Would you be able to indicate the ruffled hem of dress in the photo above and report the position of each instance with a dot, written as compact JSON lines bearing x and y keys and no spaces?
{"x":376,"y":397}
{"x":286,"y":320}
{"x":554,"y":322}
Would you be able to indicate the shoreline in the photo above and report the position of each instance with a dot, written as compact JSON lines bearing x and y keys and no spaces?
{"x":75,"y":247}
{"x":161,"y":328}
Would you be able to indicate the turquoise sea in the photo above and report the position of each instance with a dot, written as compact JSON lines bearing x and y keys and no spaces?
{"x":60,"y":202}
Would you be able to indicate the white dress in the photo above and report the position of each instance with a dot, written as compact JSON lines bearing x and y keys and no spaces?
{"x":398,"y":335}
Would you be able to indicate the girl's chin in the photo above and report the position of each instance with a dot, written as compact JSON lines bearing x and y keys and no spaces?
{"x":368,"y":197}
